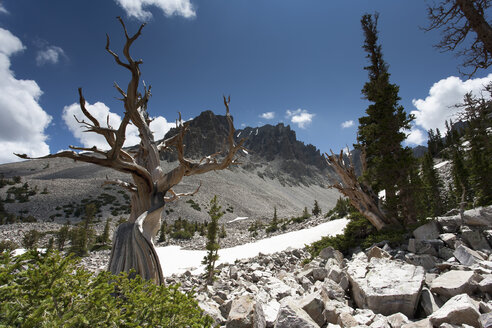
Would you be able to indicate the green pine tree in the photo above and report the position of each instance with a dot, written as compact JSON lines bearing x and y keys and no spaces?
{"x":273,"y":226}
{"x":461,"y":190}
{"x":49,"y":245}
{"x":439,"y":141}
{"x":431,"y":142}
{"x":212,"y":246}
{"x":82,"y":236}
{"x":316,"y":209}
{"x":30,"y":239}
{"x":104,"y":238}
{"x":381,"y":132}
{"x":477,"y":113}
{"x":163,"y":230}
{"x":223,"y":232}
{"x":305,"y":213}
{"x":432,"y":187}
{"x":62,"y":236}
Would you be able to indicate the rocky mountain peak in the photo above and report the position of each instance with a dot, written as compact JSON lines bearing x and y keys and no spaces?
{"x":208,"y":135}
{"x":280,"y":141}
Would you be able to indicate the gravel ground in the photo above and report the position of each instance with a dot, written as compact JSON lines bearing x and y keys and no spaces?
{"x":250,"y":193}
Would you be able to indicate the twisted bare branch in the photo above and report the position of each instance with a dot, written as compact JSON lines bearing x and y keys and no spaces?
{"x":457,"y":20}
{"x":361,"y":196}
{"x":187,"y":167}
{"x":175,"y":196}
{"x":123,"y":184}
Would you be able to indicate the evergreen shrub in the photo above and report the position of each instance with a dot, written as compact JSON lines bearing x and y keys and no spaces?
{"x":48,"y":290}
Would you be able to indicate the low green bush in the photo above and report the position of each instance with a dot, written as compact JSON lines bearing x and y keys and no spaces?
{"x":194,"y":205}
{"x":359,"y":232}
{"x":47,"y":290}
{"x":342,"y":208}
{"x":8,"y":245}
{"x":181,"y":234}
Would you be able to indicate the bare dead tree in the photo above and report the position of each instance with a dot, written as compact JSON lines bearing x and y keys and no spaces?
{"x":151,"y":187}
{"x":361,"y":196}
{"x":457,"y":19}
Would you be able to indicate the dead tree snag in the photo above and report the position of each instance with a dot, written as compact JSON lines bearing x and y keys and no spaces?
{"x":151,"y":187}
{"x":361,"y":196}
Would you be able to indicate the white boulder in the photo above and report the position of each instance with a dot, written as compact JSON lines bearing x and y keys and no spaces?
{"x":385,"y":286}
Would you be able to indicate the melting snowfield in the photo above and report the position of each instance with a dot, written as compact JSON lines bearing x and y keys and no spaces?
{"x":437,"y":166}
{"x":176,"y":260}
{"x":239,"y":218}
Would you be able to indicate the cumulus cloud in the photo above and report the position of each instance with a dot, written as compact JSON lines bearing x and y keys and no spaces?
{"x":135,"y":8}
{"x":438,"y":106}
{"x":268,"y":115}
{"x":301,"y":117}
{"x":159,"y":126}
{"x":22,"y":120}
{"x":49,"y":55}
{"x":347,"y":124}
{"x":415,"y":137}
{"x":10,"y":44}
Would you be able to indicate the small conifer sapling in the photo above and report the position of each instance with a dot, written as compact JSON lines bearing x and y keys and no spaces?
{"x":212,"y":246}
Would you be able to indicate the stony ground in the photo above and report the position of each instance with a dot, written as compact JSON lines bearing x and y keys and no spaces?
{"x":237,"y":234}
{"x":240,"y":189}
{"x":441,"y":278}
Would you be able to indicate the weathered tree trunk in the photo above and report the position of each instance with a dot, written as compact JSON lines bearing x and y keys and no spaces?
{"x":360,"y":195}
{"x":477,"y":22}
{"x":133,"y":248}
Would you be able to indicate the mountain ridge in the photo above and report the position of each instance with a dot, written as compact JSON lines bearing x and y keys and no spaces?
{"x":208,"y":134}
{"x":277,"y":170}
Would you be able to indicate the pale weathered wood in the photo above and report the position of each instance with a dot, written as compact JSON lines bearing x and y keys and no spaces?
{"x":360,"y":195}
{"x":132,"y":241}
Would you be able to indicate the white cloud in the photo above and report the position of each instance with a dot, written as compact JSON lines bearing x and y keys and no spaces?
{"x":438,"y":106}
{"x":10,"y":44}
{"x":22,"y":120}
{"x":135,"y":8}
{"x":49,"y":55}
{"x":159,"y":126}
{"x":3,"y":10}
{"x":347,"y":124}
{"x":268,"y":115}
{"x":415,"y":137}
{"x":301,"y":117}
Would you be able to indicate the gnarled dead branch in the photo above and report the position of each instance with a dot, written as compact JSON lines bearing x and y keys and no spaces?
{"x":360,"y":195}
{"x":132,"y":241}
{"x":465,"y":29}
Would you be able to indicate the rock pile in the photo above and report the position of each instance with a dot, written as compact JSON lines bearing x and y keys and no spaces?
{"x":443,"y":278}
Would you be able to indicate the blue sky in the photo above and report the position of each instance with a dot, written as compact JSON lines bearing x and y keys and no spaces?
{"x":297,"y":62}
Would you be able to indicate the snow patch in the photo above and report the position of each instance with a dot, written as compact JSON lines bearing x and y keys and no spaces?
{"x":382,"y":194}
{"x":437,"y":166}
{"x":20,"y":251}
{"x":175,"y":260}
{"x":256,"y":132}
{"x":239,"y":218}
{"x":245,"y":151}
{"x":238,"y":134}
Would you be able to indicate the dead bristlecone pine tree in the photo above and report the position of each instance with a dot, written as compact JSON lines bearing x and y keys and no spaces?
{"x":150,"y":186}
